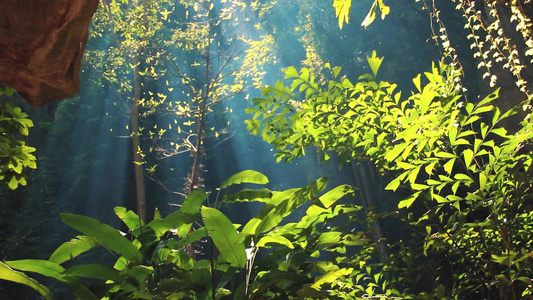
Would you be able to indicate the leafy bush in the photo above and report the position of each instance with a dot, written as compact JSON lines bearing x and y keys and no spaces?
{"x":15,"y":156}
{"x":263,"y":260}
{"x":469,"y":179}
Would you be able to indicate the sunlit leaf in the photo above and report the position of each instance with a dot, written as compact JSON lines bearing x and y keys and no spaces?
{"x":406,"y":203}
{"x":128,"y":217}
{"x":43,"y":267}
{"x":105,"y":234}
{"x":191,"y":205}
{"x":330,"y":277}
{"x":224,"y":236}
{"x":371,"y":16}
{"x":73,"y":248}
{"x":7,"y":273}
{"x":374,"y":62}
{"x":280,"y":240}
{"x":247,"y":176}
{"x":330,"y":197}
{"x":342,"y":11}
{"x":97,"y":271}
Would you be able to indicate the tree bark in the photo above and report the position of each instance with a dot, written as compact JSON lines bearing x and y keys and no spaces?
{"x":136,"y":142}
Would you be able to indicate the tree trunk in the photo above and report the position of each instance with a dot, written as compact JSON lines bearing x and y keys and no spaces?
{"x":370,"y":189}
{"x":136,"y":142}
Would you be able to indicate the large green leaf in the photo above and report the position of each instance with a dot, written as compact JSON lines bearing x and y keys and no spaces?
{"x":247,"y":176}
{"x":73,"y":248}
{"x":330,"y":197}
{"x":128,"y":217}
{"x":9,"y":274}
{"x":251,"y":227}
{"x":43,"y":267}
{"x":171,"y":221}
{"x":342,"y":11}
{"x":95,"y":271}
{"x":191,"y":205}
{"x":285,"y":207}
{"x":331,"y":277}
{"x":105,"y":234}
{"x":249,"y":195}
{"x":225,"y":237}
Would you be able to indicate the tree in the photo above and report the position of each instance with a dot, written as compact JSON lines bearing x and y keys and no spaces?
{"x":15,"y":156}
{"x":469,"y":176}
{"x":177,"y":59}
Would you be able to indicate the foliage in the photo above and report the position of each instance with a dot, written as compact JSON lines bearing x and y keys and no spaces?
{"x":469,"y":176}
{"x":270,"y":257}
{"x":173,"y":63}
{"x":342,"y":11}
{"x":15,"y":156}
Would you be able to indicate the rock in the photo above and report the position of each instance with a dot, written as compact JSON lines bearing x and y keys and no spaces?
{"x":41,"y":46}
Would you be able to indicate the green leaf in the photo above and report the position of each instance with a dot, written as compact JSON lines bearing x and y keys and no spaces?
{"x":331,"y":277}
{"x":13,"y":183}
{"x":249,"y":195}
{"x":291,"y":72}
{"x":73,"y":248}
{"x":342,"y":11}
{"x":406,"y":203}
{"x":371,"y":16}
{"x":394,"y":184}
{"x":43,"y":267}
{"x":374,"y":62}
{"x":278,"y":208}
{"x":281,"y":240}
{"x":171,"y":221}
{"x":491,"y":97}
{"x":9,"y":274}
{"x":224,"y":236}
{"x":330,"y":197}
{"x":191,"y":205}
{"x":128,"y":217}
{"x":448,"y":166}
{"x":468,"y":156}
{"x":247,"y":176}
{"x":105,"y":234}
{"x":396,"y":151}
{"x":95,"y":271}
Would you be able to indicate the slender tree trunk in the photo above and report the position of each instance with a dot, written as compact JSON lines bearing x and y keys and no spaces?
{"x":193,"y":181}
{"x":365,"y":176}
{"x":136,"y":142}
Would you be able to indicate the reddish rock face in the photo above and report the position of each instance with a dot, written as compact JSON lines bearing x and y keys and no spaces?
{"x":41,"y":46}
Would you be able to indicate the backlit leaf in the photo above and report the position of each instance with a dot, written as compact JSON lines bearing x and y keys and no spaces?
{"x":224,"y":236}
{"x":105,"y":234}
{"x":247,"y":176}
{"x":7,"y":273}
{"x":73,"y":248}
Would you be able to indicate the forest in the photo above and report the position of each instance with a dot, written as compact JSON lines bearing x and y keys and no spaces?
{"x":257,"y":149}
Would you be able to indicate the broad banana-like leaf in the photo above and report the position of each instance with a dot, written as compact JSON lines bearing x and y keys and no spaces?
{"x":105,"y":234}
{"x":225,"y":237}
{"x":43,"y":267}
{"x":279,"y":239}
{"x":335,"y":194}
{"x":95,"y":271}
{"x":249,"y":195}
{"x":73,"y":248}
{"x":331,"y":277}
{"x":128,"y":217}
{"x":9,"y":274}
{"x":278,"y":197}
{"x":171,"y":221}
{"x":189,"y":239}
{"x":274,"y":215}
{"x":247,"y":176}
{"x":191,"y":205}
